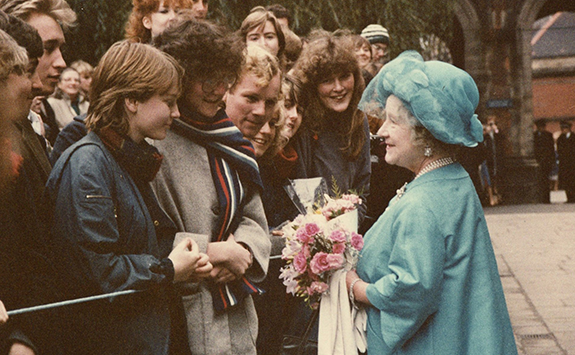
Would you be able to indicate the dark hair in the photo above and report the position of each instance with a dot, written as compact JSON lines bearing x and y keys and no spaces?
{"x":25,"y":35}
{"x":279,"y":11}
{"x":202,"y":48}
{"x":327,"y":54}
{"x":294,"y":46}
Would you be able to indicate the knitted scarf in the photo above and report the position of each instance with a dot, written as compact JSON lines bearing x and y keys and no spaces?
{"x":142,"y":161}
{"x":231,"y":157}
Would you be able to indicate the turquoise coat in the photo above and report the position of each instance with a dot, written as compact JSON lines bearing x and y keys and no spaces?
{"x":432,"y":274}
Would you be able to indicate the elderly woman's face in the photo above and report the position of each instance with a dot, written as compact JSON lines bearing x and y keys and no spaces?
{"x":265,"y":36}
{"x":336,"y":91}
{"x":397,"y":133}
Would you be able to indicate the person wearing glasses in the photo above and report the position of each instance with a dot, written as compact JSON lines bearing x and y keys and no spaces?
{"x":209,"y":184}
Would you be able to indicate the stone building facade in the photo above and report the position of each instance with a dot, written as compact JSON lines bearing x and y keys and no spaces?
{"x":493,"y":44}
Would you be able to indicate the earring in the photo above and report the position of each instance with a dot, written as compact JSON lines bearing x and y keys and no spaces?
{"x":427,"y":151}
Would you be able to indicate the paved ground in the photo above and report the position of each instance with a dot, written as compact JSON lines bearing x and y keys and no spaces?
{"x":535,"y":249}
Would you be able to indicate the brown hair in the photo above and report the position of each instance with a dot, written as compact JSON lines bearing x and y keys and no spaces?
{"x":257,"y":18}
{"x":128,"y":70}
{"x":202,"y":48}
{"x":328,"y":54}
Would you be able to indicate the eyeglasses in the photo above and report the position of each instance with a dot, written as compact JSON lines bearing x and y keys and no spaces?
{"x":211,"y":84}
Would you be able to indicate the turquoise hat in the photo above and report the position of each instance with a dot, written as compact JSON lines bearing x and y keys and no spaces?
{"x":442,"y":97}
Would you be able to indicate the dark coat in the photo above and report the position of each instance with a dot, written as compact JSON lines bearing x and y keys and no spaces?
{"x":73,"y":132}
{"x":566,"y":155}
{"x":544,"y":150}
{"x":105,"y":240}
{"x":26,"y":275}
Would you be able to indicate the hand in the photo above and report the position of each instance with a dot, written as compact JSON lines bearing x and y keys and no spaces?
{"x":231,"y":255}
{"x":277,"y":233}
{"x":185,"y":257}
{"x":221,"y":274}
{"x":3,"y":314}
{"x":37,"y":104}
{"x":20,"y":349}
{"x":240,"y":258}
{"x":203,"y":268}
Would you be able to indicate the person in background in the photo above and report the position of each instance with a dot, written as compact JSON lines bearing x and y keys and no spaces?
{"x":566,"y":156}
{"x":86,"y":71}
{"x":108,"y":231}
{"x":282,"y":14}
{"x":544,"y":151}
{"x":50,"y":18}
{"x":209,"y":184}
{"x":68,"y":100}
{"x":199,"y":8}
{"x":427,"y":275}
{"x":149,"y":18}
{"x":378,"y":37}
{"x":262,"y":28}
{"x":364,"y":57}
{"x":493,"y":142}
{"x":294,"y":46}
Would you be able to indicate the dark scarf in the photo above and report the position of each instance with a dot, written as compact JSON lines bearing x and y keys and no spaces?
{"x":142,"y":161}
{"x":231,"y":156}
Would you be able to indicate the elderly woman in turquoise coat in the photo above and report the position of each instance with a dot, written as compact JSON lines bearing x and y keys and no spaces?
{"x":427,"y":276}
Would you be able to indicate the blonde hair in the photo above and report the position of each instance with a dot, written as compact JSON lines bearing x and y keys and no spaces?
{"x":59,"y":10}
{"x":82,"y":67}
{"x":13,"y":58}
{"x":261,"y":63}
{"x":129,"y":70}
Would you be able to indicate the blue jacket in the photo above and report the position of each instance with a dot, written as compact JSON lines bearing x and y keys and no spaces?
{"x":105,"y":240}
{"x":432,"y":274}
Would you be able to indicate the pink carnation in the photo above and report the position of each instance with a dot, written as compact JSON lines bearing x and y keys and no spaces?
{"x":338,"y":248}
{"x":338,"y":236}
{"x":317,"y":287}
{"x":312,"y":229}
{"x":335,"y":261}
{"x":303,"y":236}
{"x":319,"y":263}
{"x":300,"y":262}
{"x":356,"y":241}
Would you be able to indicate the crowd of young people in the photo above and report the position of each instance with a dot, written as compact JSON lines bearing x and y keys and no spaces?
{"x":158,"y":177}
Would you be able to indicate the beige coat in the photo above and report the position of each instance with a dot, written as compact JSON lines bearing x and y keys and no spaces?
{"x":63,"y":111}
{"x":186,"y":191}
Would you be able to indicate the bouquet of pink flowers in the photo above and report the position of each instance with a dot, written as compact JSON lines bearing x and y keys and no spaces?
{"x":318,"y":244}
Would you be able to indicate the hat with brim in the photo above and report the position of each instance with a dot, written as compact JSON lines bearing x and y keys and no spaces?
{"x":442,"y":97}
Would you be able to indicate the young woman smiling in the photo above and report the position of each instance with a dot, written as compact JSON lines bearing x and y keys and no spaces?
{"x":334,"y":142}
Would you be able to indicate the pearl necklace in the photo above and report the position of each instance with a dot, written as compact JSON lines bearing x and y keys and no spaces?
{"x":436,"y":164}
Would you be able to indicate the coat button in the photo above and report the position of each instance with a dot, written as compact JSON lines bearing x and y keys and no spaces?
{"x":216,"y":210}
{"x":156,"y":223}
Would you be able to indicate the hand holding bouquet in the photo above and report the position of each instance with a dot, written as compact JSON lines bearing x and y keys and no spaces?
{"x":319,"y":243}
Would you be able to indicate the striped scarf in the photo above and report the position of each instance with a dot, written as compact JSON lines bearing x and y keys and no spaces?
{"x":232,"y":161}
